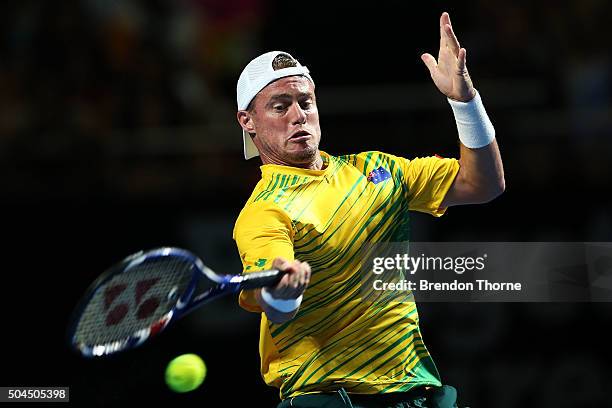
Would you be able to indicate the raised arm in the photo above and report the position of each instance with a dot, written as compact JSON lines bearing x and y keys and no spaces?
{"x":481,"y":176}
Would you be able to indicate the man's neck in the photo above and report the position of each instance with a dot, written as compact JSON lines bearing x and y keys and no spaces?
{"x":315,"y":164}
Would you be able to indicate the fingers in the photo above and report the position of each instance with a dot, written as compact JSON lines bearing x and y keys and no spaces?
{"x":295,"y":274}
{"x":299,"y":274}
{"x":448,"y":39}
{"x":296,"y":279}
{"x":280,"y":263}
{"x":430,"y":62}
{"x":444,"y":20}
{"x":461,"y":58}
{"x":305,"y":278}
{"x":451,"y":40}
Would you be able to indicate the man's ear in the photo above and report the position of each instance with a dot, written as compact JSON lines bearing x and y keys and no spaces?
{"x":246,"y":121}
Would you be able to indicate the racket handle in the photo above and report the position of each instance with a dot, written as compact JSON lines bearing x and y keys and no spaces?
{"x":261,"y":279}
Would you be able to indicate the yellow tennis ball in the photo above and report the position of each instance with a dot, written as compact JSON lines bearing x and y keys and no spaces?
{"x":185,"y":373}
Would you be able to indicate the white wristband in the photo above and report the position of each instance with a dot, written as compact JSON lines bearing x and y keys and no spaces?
{"x":474,"y":127}
{"x":282,"y":305}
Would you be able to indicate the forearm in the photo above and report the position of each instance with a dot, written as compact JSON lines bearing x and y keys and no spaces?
{"x":481,"y":173}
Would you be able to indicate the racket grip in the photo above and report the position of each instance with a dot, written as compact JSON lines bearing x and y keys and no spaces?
{"x":261,"y":279}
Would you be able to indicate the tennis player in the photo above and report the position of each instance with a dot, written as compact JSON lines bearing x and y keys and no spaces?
{"x":311,"y":213}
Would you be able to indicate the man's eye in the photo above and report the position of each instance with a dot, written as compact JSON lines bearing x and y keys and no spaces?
{"x":306,"y":104}
{"x":278,"y":107}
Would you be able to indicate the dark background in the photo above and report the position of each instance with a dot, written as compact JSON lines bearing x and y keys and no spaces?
{"x":118,"y":133}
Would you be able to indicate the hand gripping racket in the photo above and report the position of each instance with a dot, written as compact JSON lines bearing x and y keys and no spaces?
{"x":140,"y":296}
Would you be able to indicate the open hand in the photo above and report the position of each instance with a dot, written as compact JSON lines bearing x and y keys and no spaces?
{"x":449,"y":72}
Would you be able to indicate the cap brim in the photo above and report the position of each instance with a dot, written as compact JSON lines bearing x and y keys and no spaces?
{"x":250,"y":150}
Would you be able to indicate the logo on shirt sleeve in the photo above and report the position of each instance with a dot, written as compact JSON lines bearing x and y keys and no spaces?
{"x":379,"y":175}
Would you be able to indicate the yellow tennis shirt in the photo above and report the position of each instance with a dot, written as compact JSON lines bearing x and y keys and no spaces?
{"x":325,"y":217}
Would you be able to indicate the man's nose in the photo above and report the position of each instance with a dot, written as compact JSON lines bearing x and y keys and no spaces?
{"x":298,"y":114}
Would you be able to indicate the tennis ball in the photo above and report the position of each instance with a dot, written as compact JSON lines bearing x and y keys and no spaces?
{"x":185,"y":373}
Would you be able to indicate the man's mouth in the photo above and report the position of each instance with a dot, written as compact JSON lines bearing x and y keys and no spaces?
{"x":299,"y":136}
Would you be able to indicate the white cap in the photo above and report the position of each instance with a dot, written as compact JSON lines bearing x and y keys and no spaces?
{"x":256,"y":76}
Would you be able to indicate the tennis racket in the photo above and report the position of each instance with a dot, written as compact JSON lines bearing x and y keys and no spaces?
{"x":140,"y":296}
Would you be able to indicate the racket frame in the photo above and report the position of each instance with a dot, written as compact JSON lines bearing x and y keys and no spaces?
{"x":185,"y":303}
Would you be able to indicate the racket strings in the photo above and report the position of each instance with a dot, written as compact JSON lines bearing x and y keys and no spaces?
{"x":133,"y":300}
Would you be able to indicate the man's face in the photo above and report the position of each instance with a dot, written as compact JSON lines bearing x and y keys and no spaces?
{"x":286,"y":122}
